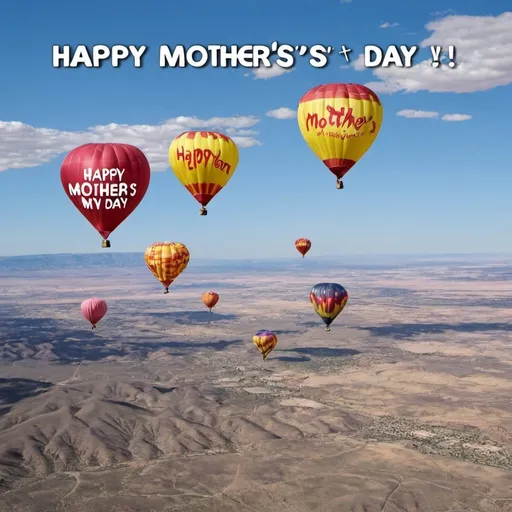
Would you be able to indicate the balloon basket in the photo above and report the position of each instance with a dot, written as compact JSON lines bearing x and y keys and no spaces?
{"x":105,"y":244}
{"x":93,"y":327}
{"x":203,"y":211}
{"x":166,"y":291}
{"x":339,"y":184}
{"x":327,"y":329}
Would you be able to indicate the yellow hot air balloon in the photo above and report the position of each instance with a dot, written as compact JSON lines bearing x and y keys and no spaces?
{"x":166,"y":260}
{"x":266,"y":341}
{"x":340,"y":122}
{"x":203,"y":162}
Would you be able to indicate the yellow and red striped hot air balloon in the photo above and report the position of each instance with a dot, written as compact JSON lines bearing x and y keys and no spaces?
{"x":328,"y":301}
{"x":340,"y":122}
{"x":303,"y":245}
{"x":203,"y":162}
{"x":265,"y":341}
{"x":166,"y":260}
{"x":210,"y":299}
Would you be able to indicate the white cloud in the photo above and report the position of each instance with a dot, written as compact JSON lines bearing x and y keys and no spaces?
{"x":418,"y":114}
{"x":426,"y":114}
{"x":282,"y":113}
{"x":483,"y":56}
{"x":440,"y":14}
{"x":389,"y":25}
{"x":23,"y":146}
{"x":358,"y":64}
{"x":263,"y":73}
{"x":235,"y":132}
{"x":456,"y":117}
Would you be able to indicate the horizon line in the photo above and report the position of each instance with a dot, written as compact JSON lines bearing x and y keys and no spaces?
{"x":327,"y":256}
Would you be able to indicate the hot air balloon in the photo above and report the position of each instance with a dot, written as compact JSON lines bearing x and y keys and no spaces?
{"x":265,"y":341}
{"x":303,"y":245}
{"x":166,"y":260}
{"x":106,"y":182}
{"x":210,"y":299}
{"x":339,"y":123}
{"x":94,"y":310}
{"x":328,"y":300}
{"x":203,"y":162}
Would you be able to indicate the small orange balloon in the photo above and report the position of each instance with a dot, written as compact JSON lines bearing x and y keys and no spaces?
{"x":210,"y":299}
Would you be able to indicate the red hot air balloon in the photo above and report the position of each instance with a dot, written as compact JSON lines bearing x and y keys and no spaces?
{"x":94,"y":310}
{"x":106,"y":182}
{"x":303,"y":245}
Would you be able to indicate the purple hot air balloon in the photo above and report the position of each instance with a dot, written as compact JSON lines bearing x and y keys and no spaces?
{"x":94,"y":310}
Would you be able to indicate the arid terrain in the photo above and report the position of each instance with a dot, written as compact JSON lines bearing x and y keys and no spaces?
{"x":405,"y":405}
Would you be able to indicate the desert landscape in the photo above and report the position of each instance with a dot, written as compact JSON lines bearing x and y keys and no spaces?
{"x":405,"y":405}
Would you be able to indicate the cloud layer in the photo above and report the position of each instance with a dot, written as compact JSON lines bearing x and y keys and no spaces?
{"x":282,"y":113}
{"x":263,"y":73}
{"x":23,"y":146}
{"x":456,"y":117}
{"x":426,"y":114}
{"x":418,"y":114}
{"x":483,"y":56}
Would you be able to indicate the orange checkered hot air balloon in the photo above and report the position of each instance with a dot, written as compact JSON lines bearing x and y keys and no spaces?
{"x":210,"y":299}
{"x":266,"y":341}
{"x":167,"y":260}
{"x":303,"y":245}
{"x":203,"y":162}
{"x":340,"y":122}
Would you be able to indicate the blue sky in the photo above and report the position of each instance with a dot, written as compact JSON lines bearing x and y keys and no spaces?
{"x":426,"y":185}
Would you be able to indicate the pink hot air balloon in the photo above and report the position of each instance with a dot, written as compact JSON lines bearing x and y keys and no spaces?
{"x":94,"y":310}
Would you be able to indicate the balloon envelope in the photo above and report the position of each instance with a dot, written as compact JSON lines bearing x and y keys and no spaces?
{"x":203,"y":162}
{"x":106,"y":182}
{"x":94,"y":310}
{"x":303,"y":245}
{"x":210,"y":299}
{"x":166,"y":260}
{"x":340,"y":122}
{"x":265,"y":341}
{"x":328,"y":300}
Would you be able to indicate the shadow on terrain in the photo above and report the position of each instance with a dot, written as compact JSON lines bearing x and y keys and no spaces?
{"x":497,"y":302}
{"x":313,"y":324}
{"x":155,"y":345}
{"x":393,"y":292}
{"x":287,"y":331}
{"x":15,"y":389}
{"x":322,"y":351}
{"x":50,"y":340}
{"x":290,"y":359}
{"x":190,"y":317}
{"x":207,"y":286}
{"x":404,"y":331}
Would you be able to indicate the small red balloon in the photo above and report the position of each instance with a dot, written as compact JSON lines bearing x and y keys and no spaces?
{"x":106,"y":182}
{"x":303,"y":245}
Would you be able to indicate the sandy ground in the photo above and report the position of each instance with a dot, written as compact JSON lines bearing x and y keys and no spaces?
{"x":405,"y":405}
